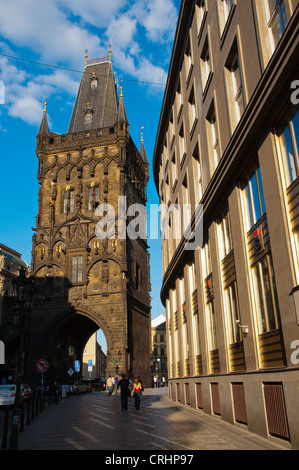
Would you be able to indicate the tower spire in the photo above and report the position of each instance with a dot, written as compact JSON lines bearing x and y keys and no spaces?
{"x":110,"y":50}
{"x":44,"y":128}
{"x":122,"y":115}
{"x":142,"y":148}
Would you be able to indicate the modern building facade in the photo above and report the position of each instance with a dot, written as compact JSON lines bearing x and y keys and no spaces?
{"x":227,"y":149}
{"x":159,"y":347}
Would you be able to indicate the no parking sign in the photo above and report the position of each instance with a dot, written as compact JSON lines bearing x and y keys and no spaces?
{"x":42,"y":365}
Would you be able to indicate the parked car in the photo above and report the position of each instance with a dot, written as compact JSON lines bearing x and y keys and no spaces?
{"x":27,"y":390}
{"x":99,"y":384}
{"x":45,"y":388}
{"x":8,"y":393}
{"x":77,"y":387}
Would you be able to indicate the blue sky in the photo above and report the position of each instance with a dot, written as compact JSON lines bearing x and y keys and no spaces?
{"x":56,"y":33}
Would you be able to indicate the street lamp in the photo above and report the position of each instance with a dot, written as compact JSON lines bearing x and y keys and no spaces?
{"x":114,"y":360}
{"x":24,"y":295}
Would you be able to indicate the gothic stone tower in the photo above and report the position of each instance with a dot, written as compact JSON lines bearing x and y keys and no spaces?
{"x":86,"y":283}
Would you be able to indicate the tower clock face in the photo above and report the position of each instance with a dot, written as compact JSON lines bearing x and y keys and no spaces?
{"x":88,"y":118}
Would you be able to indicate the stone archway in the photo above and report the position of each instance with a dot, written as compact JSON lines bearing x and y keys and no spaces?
{"x":63,"y":339}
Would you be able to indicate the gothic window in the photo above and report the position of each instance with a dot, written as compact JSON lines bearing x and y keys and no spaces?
{"x":77,"y":263}
{"x":72,"y":201}
{"x":65,"y":202}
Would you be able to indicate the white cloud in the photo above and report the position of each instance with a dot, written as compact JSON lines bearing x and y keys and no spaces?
{"x":46,"y":30}
{"x":158,"y":17}
{"x":97,"y":13}
{"x":27,"y":108}
{"x":57,"y":33}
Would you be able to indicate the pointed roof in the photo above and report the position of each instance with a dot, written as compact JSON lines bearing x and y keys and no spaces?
{"x":97,"y":101}
{"x":44,"y":128}
{"x":142,"y":149}
{"x":122,"y":115}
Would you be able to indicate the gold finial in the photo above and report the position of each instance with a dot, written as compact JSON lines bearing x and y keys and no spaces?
{"x":110,"y":50}
{"x":86,"y":55}
{"x":121,"y":88}
{"x":45,"y":108}
{"x":142,"y":134}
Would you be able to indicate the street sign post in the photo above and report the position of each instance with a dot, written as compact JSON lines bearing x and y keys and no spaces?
{"x":42,"y":366}
{"x":89,"y":367}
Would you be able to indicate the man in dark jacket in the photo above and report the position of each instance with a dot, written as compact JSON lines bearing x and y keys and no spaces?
{"x":124,"y":392}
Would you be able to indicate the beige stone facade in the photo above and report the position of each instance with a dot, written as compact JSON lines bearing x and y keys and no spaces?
{"x":228,"y":140}
{"x":159,"y":348}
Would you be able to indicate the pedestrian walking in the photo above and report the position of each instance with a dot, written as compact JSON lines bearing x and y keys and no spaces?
{"x":116,"y":384}
{"x":123,"y":384}
{"x":130,"y":387}
{"x":110,"y":385}
{"x":137,"y":387}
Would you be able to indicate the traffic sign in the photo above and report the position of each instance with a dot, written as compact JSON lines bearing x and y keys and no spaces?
{"x":70,"y":371}
{"x":89,"y":365}
{"x":77,"y":366}
{"x":42,"y":365}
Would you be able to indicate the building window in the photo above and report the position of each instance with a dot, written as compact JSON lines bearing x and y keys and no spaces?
{"x":197,"y":175}
{"x":77,"y":264}
{"x":89,"y":199}
{"x":232,"y":313}
{"x":225,"y":7}
{"x":206,"y":260}
{"x":65,"y":202}
{"x":182,"y":145}
{"x":224,"y":232}
{"x":179,"y":101}
{"x":234,"y":86}
{"x":205,"y":62}
{"x":188,"y":61}
{"x":186,"y":204}
{"x":288,"y":137}
{"x":192,"y":112}
{"x":93,"y":197}
{"x":213,"y":138}
{"x":72,"y":201}
{"x":200,"y":11}
{"x":266,"y":303}
{"x":211,"y":324}
{"x":254,"y":198}
{"x":277,"y":19}
{"x":173,"y":171}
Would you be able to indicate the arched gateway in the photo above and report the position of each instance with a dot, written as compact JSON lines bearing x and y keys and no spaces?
{"x":89,"y":279}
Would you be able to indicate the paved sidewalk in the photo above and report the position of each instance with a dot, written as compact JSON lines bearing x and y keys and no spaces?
{"x":95,"y":422}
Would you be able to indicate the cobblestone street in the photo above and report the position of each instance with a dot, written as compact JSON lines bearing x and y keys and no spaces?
{"x":95,"y":422}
